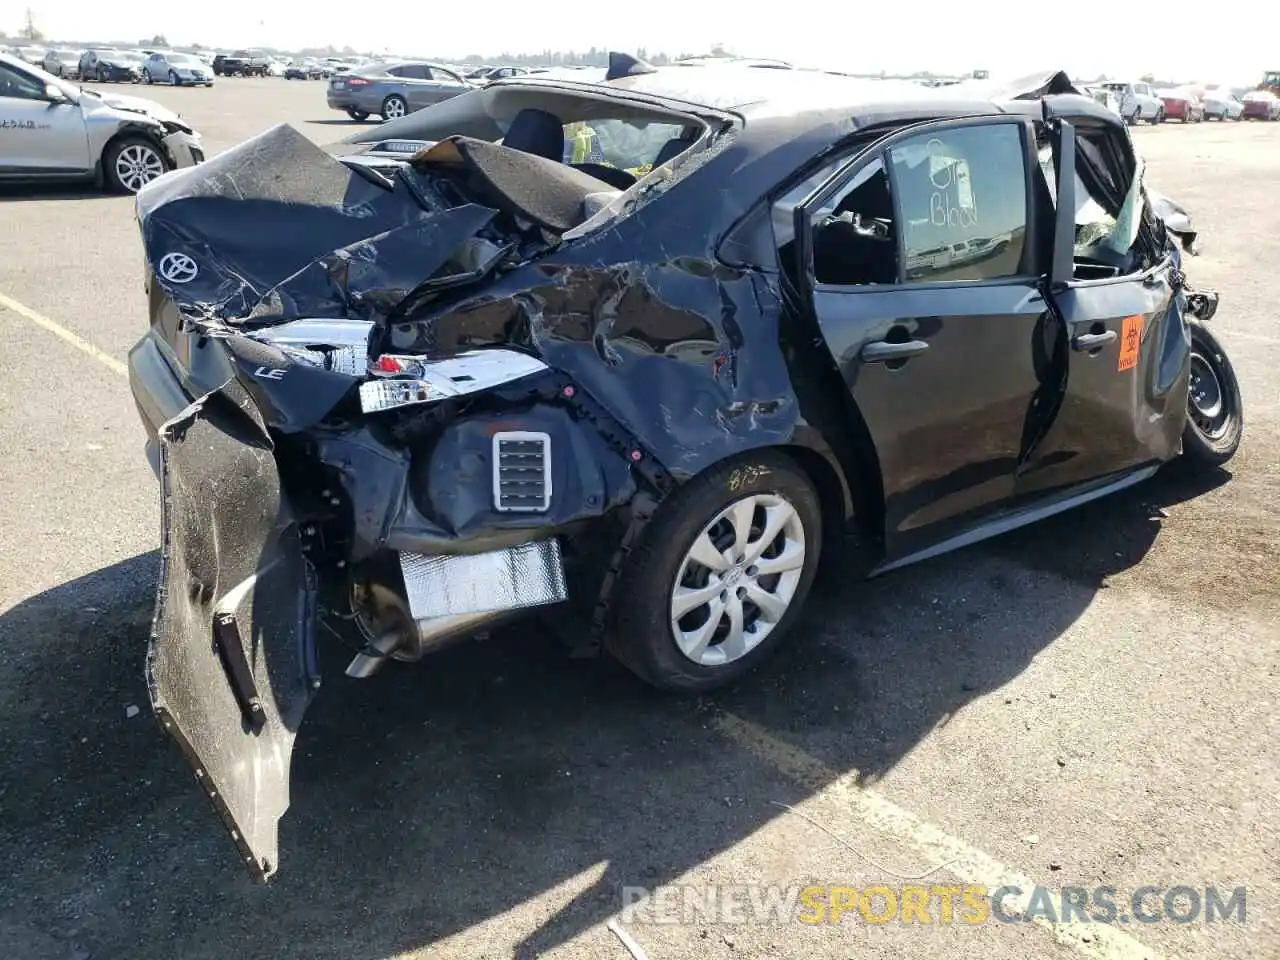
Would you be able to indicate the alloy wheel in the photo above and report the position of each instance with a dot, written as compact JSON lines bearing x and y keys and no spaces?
{"x":737,"y":579}
{"x":137,"y":165}
{"x":394,"y":108}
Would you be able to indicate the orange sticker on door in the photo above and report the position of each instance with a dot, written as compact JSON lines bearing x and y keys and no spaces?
{"x":1130,"y":341}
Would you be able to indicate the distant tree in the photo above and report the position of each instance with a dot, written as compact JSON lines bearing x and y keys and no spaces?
{"x":159,"y":40}
{"x":1148,"y":78}
{"x":29,"y":31}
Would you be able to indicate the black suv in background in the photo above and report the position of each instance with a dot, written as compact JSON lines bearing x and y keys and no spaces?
{"x":242,"y":63}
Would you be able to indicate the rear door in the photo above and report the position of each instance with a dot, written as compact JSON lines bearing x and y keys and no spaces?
{"x":919,"y":270}
{"x":1124,"y":352}
{"x":231,"y":665}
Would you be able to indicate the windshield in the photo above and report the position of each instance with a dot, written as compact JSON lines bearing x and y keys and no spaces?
{"x":66,"y":56}
{"x":182,"y":59}
{"x":1259,"y":95}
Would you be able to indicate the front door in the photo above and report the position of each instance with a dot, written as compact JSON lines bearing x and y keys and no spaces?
{"x":1124,"y":352}
{"x":36,"y":135}
{"x":921,"y":274}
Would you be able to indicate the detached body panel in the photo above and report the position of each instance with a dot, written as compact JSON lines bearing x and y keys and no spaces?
{"x":232,"y":663}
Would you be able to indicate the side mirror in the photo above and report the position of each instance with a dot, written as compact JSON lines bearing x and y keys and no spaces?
{"x":53,"y":93}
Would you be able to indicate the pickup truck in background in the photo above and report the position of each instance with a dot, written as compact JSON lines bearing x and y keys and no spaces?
{"x":242,"y":63}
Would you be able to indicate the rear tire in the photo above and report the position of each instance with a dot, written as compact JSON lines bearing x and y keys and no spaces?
{"x":394,"y":107}
{"x":1215,"y":411}
{"x":738,"y":615}
{"x":357,"y":115}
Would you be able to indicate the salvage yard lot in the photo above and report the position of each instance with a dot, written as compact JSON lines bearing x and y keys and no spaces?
{"x":1088,"y":701}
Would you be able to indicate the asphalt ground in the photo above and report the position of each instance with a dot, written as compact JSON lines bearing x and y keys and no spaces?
{"x":1089,"y":701}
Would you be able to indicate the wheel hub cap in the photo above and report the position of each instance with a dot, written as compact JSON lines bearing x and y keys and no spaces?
{"x":1206,"y":401}
{"x":137,"y":166}
{"x":737,"y":579}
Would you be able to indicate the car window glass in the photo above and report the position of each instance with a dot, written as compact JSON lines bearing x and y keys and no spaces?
{"x":19,"y":85}
{"x":961,"y":197}
{"x":1099,"y":234}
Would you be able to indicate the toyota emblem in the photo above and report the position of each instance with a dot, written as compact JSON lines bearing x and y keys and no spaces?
{"x":178,"y":268}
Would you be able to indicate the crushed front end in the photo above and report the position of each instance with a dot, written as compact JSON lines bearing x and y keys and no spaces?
{"x":307,"y":473}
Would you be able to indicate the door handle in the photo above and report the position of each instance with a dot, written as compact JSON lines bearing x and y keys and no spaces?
{"x":1092,"y":341}
{"x":883,"y":351}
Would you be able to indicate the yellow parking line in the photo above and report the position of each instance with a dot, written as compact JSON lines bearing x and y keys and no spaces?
{"x":62,"y":333}
{"x":1094,"y":940}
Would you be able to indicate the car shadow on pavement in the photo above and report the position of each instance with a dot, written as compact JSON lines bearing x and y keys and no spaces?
{"x":432,"y":798}
{"x":345,"y":123}
{"x":18,"y":193}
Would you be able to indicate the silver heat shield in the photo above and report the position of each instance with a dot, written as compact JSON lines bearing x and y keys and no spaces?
{"x":526,"y":575}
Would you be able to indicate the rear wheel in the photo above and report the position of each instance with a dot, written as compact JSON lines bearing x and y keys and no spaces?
{"x":719,"y":576}
{"x":1215,"y":412}
{"x":1159,"y":118}
{"x":394,"y":107}
{"x":130,"y":163}
{"x":357,"y":115}
{"x":146,"y":75}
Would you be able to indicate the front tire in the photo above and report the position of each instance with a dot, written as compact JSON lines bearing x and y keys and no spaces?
{"x":130,"y":163}
{"x":1215,"y":411}
{"x":719,"y":576}
{"x":394,"y":107}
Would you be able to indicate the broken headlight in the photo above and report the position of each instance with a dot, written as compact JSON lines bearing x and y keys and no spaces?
{"x":400,"y":381}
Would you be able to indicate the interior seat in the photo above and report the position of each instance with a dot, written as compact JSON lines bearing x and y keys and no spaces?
{"x":674,"y":147}
{"x":537,"y":132}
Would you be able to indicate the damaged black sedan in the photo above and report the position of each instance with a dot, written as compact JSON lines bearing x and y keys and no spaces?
{"x":628,"y":353}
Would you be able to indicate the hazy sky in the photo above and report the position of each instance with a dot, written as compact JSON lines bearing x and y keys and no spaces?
{"x":925,"y":34}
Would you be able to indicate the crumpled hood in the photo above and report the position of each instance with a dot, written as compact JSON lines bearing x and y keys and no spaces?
{"x":149,"y":108}
{"x":276,"y":229}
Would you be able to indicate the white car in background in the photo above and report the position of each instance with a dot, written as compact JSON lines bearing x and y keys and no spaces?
{"x":1221,"y":104}
{"x":1138,"y":101}
{"x":54,"y":130}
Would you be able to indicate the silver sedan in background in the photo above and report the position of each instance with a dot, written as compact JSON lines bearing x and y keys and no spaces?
{"x":62,"y":63}
{"x":1221,"y":104}
{"x":176,"y":69}
{"x":53,"y":130}
{"x":392,"y":89}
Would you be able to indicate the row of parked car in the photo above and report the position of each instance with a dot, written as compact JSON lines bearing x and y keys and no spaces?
{"x":114,"y":65}
{"x":1141,"y":102}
